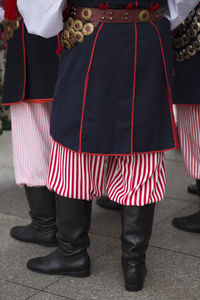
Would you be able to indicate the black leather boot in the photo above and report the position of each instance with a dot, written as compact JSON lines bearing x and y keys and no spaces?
{"x":189,"y":223}
{"x":105,"y":202}
{"x":42,"y":229}
{"x":137,"y":225}
{"x":71,"y":257}
{"x":192,"y":188}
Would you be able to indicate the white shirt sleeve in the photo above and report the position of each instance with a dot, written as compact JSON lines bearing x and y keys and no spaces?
{"x":178,"y":10}
{"x":42,"y":17}
{"x":1,"y":14}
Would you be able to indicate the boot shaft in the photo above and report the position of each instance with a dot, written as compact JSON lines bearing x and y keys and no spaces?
{"x":41,"y":202}
{"x":73,"y":223}
{"x":137,"y":222}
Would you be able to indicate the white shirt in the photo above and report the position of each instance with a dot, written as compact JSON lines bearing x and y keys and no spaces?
{"x":1,"y":14}
{"x":44,"y":17}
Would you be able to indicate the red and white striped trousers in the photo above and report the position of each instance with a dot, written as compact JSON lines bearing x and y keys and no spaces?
{"x":188,"y":117}
{"x":131,"y":180}
{"x":31,"y":142}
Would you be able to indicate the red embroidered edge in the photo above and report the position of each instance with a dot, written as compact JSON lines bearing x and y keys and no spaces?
{"x":186,"y":104}
{"x":134,"y":87}
{"x":86,"y":86}
{"x":29,"y":101}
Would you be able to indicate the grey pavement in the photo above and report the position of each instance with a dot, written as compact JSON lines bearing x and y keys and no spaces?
{"x":173,"y":258}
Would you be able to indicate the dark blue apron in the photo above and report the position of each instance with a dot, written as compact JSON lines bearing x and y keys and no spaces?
{"x":113,"y":94}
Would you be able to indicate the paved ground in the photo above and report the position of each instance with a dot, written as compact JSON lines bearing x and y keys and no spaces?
{"x":173,"y":257}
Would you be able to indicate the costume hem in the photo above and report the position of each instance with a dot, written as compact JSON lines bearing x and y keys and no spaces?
{"x":113,"y":154}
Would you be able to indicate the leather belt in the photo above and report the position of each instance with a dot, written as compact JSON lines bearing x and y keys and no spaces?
{"x":83,"y":20}
{"x":97,"y":15}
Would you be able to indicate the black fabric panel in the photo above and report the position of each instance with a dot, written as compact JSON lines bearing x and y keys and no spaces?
{"x":186,"y":81}
{"x":41,"y":67}
{"x":14,"y":71}
{"x":152,"y":121}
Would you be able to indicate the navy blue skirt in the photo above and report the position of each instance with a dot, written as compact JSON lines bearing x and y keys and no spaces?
{"x":31,"y":68}
{"x":113,"y":93}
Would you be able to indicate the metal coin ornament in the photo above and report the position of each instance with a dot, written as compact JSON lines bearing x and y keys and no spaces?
{"x":76,"y":30}
{"x":186,"y":37}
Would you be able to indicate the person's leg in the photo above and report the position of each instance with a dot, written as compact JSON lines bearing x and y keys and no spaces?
{"x":77,"y":178}
{"x":189,"y":130}
{"x":137,"y":183}
{"x":31,"y":152}
{"x":71,"y":257}
{"x":42,"y":229}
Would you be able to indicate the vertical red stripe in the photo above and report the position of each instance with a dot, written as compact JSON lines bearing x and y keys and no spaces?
{"x":134,"y":87}
{"x":24,"y":55}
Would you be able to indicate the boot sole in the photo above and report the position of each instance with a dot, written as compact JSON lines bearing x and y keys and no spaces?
{"x":45,"y":244}
{"x":133,"y":287}
{"x":85,"y":273}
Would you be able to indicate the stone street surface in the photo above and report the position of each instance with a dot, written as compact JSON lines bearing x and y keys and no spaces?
{"x":173,"y":258}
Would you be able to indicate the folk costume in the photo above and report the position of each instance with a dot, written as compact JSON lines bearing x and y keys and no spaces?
{"x":186,"y":43}
{"x":112,"y":101}
{"x":30,"y":76}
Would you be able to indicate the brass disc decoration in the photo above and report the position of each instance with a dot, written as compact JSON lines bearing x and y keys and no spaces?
{"x":88,"y":29}
{"x":186,"y":37}
{"x":78,"y":25}
{"x":86,"y":13}
{"x":144,"y":15}
{"x":79,"y":37}
{"x":76,"y":30}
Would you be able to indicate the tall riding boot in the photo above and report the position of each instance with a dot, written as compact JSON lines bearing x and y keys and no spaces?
{"x":137,"y":225}
{"x":192,"y":188}
{"x":71,"y":257}
{"x":42,"y":229}
{"x":189,"y":223}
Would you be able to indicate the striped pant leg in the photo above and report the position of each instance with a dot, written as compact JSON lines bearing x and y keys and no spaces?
{"x":75,"y":175}
{"x":188,"y":117}
{"x":138,"y":180}
{"x":31,"y":142}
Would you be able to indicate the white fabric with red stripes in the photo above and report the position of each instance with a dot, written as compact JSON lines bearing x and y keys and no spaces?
{"x":31,"y":142}
{"x":188,"y":117}
{"x":139,"y":179}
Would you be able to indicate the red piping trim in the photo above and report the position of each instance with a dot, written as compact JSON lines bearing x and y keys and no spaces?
{"x":113,"y":154}
{"x":24,"y":54}
{"x":38,"y":100}
{"x":168,"y":88}
{"x":29,"y":100}
{"x":186,"y":104}
{"x":134,"y":87}
{"x":136,"y":4}
{"x":86,"y":86}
